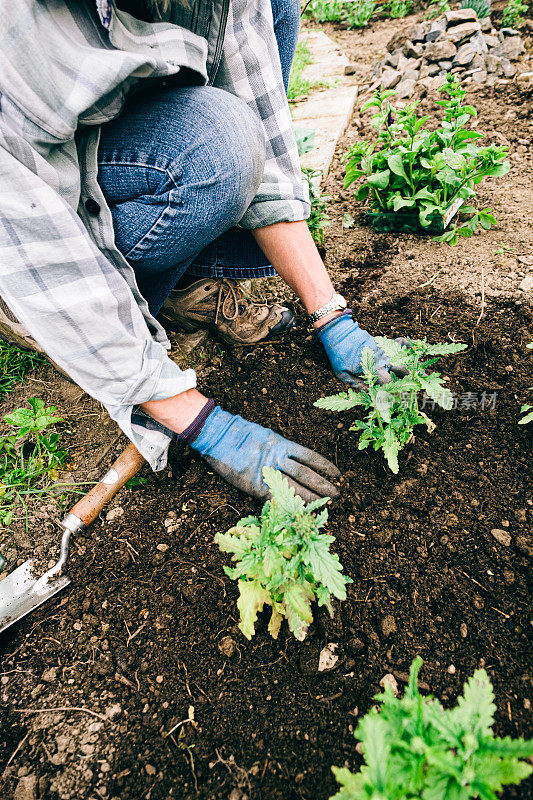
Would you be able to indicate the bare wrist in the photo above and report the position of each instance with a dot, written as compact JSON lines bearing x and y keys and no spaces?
{"x":176,"y":413}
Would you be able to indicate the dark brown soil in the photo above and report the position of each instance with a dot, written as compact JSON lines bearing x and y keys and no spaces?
{"x":135,"y":642}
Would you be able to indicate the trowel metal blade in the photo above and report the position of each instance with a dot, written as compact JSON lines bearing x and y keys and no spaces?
{"x":20,"y":594}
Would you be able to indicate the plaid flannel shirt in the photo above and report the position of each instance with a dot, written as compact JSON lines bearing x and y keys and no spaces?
{"x":66,"y":68}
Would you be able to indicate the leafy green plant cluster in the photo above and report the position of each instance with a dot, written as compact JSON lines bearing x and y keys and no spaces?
{"x":356,"y":13}
{"x":419,"y":172}
{"x":392,"y":409}
{"x":283,"y":561}
{"x":481,"y":7}
{"x":436,"y":8}
{"x":396,"y":9}
{"x":527,"y":408}
{"x":513,"y":14}
{"x":29,"y":457}
{"x":14,"y":363}
{"x":318,"y":219}
{"x":414,"y":748}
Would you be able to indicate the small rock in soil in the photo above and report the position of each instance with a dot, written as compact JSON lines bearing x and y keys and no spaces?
{"x":26,"y":788}
{"x":390,"y":78}
{"x":114,"y":513}
{"x":501,"y":536}
{"x":525,"y":80}
{"x":388,"y":625}
{"x":328,"y":658}
{"x":464,"y":630}
{"x":50,"y":675}
{"x":389,"y":680}
{"x":227,"y":646}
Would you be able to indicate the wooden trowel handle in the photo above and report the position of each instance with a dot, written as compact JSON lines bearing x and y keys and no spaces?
{"x":125,"y":467}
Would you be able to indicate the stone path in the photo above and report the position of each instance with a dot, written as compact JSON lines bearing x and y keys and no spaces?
{"x":328,"y":109}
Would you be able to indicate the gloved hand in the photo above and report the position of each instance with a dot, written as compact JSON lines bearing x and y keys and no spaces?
{"x":344,"y":342}
{"x":238,"y":450}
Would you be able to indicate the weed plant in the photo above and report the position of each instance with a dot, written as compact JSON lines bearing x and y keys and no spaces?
{"x":513,"y":14}
{"x":14,"y":364}
{"x":283,"y":561}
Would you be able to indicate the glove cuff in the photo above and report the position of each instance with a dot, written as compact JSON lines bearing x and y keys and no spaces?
{"x":190,"y":434}
{"x":333,"y":322}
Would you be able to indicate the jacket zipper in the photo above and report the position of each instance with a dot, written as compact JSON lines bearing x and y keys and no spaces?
{"x":220,"y":40}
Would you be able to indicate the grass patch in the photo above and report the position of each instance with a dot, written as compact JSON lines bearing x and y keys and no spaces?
{"x":298,"y":85}
{"x":14,"y":364}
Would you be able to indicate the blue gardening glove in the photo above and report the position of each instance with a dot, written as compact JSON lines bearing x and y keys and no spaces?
{"x":238,"y":450}
{"x":344,"y":342}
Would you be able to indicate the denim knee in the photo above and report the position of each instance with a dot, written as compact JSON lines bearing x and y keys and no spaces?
{"x":236,"y":153}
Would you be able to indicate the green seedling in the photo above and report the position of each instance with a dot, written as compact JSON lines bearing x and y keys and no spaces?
{"x":513,"y":12}
{"x":436,"y":8}
{"x":356,"y":13}
{"x":318,"y":219}
{"x":397,"y":9}
{"x":392,"y":409}
{"x":14,"y":363}
{"x":503,"y":248}
{"x":283,"y":561}
{"x":414,"y":748}
{"x":414,"y":170}
{"x":527,"y":408}
{"x":30,"y":457}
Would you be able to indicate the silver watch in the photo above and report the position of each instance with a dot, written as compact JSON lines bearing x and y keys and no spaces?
{"x":337,"y":303}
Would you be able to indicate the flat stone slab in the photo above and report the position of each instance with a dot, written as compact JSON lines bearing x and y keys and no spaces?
{"x":328,"y":109}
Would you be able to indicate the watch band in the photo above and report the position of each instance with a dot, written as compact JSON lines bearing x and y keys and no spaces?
{"x":337,"y":303}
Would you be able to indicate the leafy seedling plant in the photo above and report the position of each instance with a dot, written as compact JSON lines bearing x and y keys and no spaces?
{"x":415,"y":749}
{"x":393,"y":409}
{"x":14,"y":363}
{"x":527,"y":408}
{"x":283,"y":561}
{"x":512,"y":16}
{"x":318,"y":219}
{"x":29,"y":457}
{"x":420,"y":172}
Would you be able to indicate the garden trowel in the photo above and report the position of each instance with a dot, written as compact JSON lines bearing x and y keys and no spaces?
{"x":22,"y":591}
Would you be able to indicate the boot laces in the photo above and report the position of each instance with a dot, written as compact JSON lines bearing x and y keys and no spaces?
{"x":234,"y":300}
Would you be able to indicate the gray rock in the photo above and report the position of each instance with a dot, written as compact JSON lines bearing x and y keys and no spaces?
{"x":388,"y":625}
{"x":416,"y":33}
{"x":392,"y":59}
{"x":508,"y":69}
{"x":486,"y":24}
{"x":411,"y":50}
{"x":465,"y":55}
{"x":478,"y":62}
{"x":478,"y":41}
{"x":26,"y":788}
{"x":435,"y":35}
{"x":501,"y":536}
{"x":411,"y":75}
{"x":527,"y":283}
{"x":390,"y":78}
{"x":454,"y":18}
{"x":445,"y":65}
{"x":479,"y":76}
{"x":505,"y":32}
{"x":513,"y":47}
{"x":405,"y":88}
{"x":350,"y":69}
{"x":440,"y":51}
{"x":428,"y":70}
{"x":491,"y":41}
{"x":462,"y":32}
{"x":492,"y":63}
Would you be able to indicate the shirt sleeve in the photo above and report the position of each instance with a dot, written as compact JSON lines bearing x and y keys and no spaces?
{"x":80,"y":308}
{"x":250,"y":68}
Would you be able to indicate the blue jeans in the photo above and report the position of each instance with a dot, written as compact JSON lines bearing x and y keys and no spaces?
{"x":178,"y":168}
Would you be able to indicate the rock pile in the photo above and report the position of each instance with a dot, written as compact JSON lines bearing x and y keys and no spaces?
{"x":423,"y":54}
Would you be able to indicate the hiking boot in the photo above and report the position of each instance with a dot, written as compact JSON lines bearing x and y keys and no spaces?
{"x":12,"y":331}
{"x":225,"y":307}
